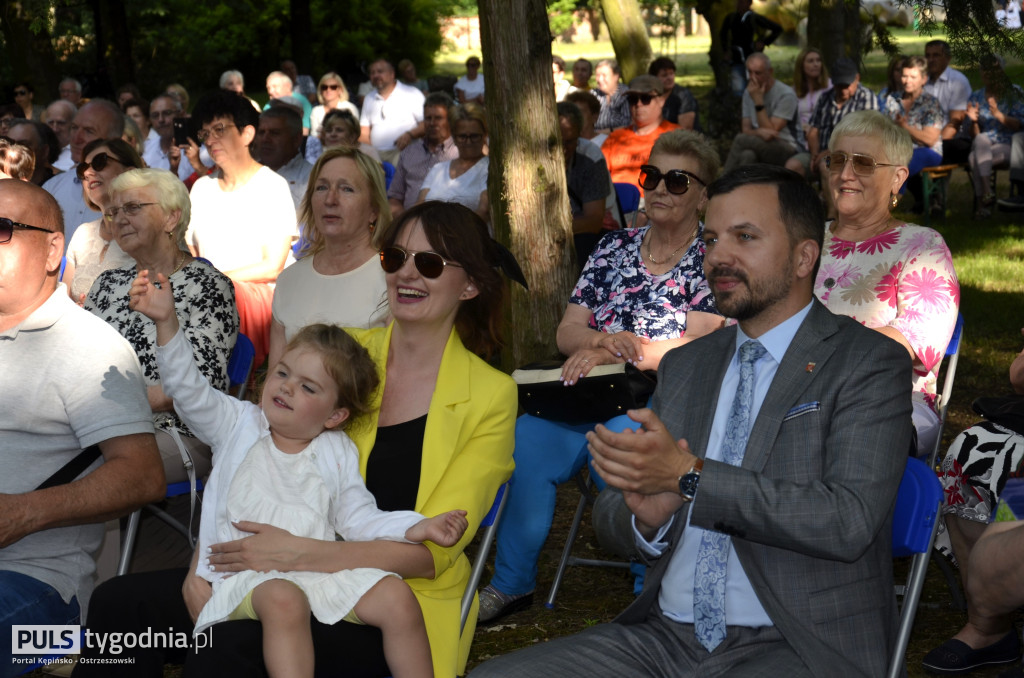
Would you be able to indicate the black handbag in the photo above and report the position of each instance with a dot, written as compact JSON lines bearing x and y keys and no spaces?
{"x":1007,"y":411}
{"x":607,"y":391}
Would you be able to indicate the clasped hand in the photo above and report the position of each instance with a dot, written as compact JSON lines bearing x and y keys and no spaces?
{"x":645,"y":464}
{"x":620,"y":347}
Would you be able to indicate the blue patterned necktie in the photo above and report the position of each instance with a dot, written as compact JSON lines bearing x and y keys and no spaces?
{"x":713,"y":554}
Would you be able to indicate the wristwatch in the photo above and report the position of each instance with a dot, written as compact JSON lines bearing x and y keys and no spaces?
{"x":759,"y":107}
{"x":688,"y":483}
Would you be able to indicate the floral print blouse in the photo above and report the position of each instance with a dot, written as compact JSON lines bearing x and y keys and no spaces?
{"x":924,"y":112}
{"x":204,"y":301}
{"x":1011,"y":108}
{"x":902,"y":278}
{"x":625,"y":297}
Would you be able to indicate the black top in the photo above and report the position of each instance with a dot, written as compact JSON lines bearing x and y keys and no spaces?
{"x":739,"y":33}
{"x":393,"y":469}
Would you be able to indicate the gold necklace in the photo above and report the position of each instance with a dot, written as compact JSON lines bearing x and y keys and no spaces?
{"x":181,"y":262}
{"x":654,"y":261}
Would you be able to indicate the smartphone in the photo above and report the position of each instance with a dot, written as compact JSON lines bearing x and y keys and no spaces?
{"x":181,"y":131}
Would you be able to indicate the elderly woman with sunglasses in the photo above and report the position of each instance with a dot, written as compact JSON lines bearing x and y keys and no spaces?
{"x":344,"y":215}
{"x":641,"y":294}
{"x":892,"y":276}
{"x":93,"y":248}
{"x":439,"y":437}
{"x":148,"y":211}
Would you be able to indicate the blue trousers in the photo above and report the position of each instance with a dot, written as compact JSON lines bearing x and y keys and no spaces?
{"x":24,"y":600}
{"x":547,"y":454}
{"x":922,"y":157}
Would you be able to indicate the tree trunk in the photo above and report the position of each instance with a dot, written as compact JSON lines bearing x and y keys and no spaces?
{"x":629,"y":36}
{"x":834,"y":27}
{"x":301,"y":32}
{"x":714,"y":12}
{"x":29,"y":52}
{"x":114,"y":63}
{"x":529,"y":200}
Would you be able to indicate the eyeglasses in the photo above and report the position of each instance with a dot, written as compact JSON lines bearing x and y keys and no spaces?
{"x":634,"y":98}
{"x":429,"y":264}
{"x":214,"y":133}
{"x":20,"y":92}
{"x":676,"y":181}
{"x":130,"y":209}
{"x":7,"y":228}
{"x":864,"y":165}
{"x":468,"y":138}
{"x":325,"y":87}
{"x":98,"y":164}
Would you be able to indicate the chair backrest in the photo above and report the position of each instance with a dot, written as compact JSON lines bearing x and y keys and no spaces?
{"x":490,"y":527}
{"x":389,"y":173}
{"x":240,"y":364}
{"x":952,"y":358}
{"x":63,"y":265}
{"x":628,"y":196}
{"x":917,"y":507}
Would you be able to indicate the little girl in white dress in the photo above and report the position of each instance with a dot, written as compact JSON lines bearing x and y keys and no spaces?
{"x":281,"y":464}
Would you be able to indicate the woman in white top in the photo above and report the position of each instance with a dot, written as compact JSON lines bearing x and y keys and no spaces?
{"x":338,"y":279}
{"x":470,"y":87}
{"x":333,"y":96}
{"x":810,"y":81}
{"x":462,"y":179}
{"x":93,"y":249}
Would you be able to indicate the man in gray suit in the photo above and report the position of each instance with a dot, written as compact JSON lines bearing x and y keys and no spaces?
{"x":820,"y":416}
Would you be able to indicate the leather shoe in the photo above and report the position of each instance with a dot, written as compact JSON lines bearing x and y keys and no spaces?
{"x":494,"y":604}
{"x":955,"y":657}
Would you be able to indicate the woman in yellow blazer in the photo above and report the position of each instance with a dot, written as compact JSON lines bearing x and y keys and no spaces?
{"x":442,"y":439}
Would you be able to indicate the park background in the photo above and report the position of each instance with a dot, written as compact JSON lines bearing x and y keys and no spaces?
{"x":155,"y":42}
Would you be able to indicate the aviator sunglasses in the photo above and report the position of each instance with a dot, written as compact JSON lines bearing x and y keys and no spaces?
{"x":7,"y":228}
{"x":98,"y":164}
{"x":864,"y":165}
{"x":676,"y":181}
{"x":634,"y":97}
{"x":429,"y":264}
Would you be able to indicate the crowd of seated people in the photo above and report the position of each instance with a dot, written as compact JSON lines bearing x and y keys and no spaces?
{"x":306,"y":171}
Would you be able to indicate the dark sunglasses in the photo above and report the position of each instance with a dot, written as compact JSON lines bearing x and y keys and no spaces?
{"x":864,"y":165}
{"x":429,"y":264}
{"x":98,"y":164}
{"x":633,"y":98}
{"x":20,"y":92}
{"x":676,"y":181}
{"x":325,"y":87}
{"x":7,"y":228}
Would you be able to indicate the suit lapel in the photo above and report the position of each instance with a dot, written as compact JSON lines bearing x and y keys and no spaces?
{"x":793,"y":377}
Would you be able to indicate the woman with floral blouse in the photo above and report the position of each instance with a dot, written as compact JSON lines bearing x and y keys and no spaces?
{"x":994,"y":113}
{"x":642,"y":293}
{"x":893,"y":277}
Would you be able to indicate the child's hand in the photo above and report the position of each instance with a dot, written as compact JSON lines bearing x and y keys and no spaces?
{"x":444,"y":530}
{"x":155,"y":301}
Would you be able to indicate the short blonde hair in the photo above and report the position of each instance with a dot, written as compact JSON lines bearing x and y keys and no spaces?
{"x":372,"y":172}
{"x":468,"y":111}
{"x":693,"y":144}
{"x":171,"y":193}
{"x":895,"y":140}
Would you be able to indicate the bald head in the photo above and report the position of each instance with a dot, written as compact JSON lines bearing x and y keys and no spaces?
{"x":98,"y":119}
{"x":32,"y":204}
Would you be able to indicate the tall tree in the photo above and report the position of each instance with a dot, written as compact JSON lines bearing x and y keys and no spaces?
{"x":529,"y":200}
{"x":629,"y":36}
{"x":834,"y":27}
{"x":29,"y":48}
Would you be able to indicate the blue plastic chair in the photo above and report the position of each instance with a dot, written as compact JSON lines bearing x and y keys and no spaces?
{"x":914,"y":523}
{"x":628,"y":197}
{"x":952,"y":358}
{"x":240,"y":365}
{"x":389,"y":173}
{"x":490,"y":525}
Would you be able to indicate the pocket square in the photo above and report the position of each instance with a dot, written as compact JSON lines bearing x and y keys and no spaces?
{"x":802,"y":409}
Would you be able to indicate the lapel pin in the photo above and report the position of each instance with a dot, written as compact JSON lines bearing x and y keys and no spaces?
{"x":810,"y":367}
